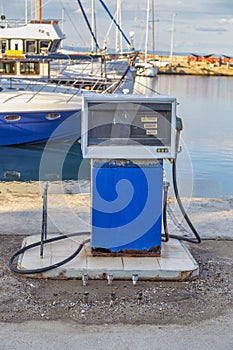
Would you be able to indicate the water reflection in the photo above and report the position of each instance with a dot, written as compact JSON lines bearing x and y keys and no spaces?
{"x":206,"y":108}
{"x":205,"y":105}
{"x":22,"y":163}
{"x":145,"y":85}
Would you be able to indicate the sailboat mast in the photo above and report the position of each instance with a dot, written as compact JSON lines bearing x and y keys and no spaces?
{"x":117,"y":30}
{"x":88,"y":24}
{"x":114,"y":21}
{"x":33,"y":9}
{"x":172,"y":37}
{"x":119,"y":41}
{"x":153,"y":26}
{"x":26,"y":11}
{"x":147,"y":28}
{"x":39,"y":11}
{"x":92,"y":23}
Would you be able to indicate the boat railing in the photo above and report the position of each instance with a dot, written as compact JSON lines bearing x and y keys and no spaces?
{"x":36,"y":93}
{"x":21,"y":86}
{"x":12,"y":23}
{"x":31,"y":84}
{"x":15,"y":23}
{"x":71,"y":85}
{"x":11,"y":98}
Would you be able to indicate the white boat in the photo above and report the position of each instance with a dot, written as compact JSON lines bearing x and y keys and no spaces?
{"x":33,"y":108}
{"x":38,"y":117}
{"x":32,"y":51}
{"x":144,"y":67}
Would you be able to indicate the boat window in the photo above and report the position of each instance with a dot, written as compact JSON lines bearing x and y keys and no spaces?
{"x":12,"y":118}
{"x":44,"y":46}
{"x":7,"y":67}
{"x":55,"y":45}
{"x":31,"y":46}
{"x":3,"y":46}
{"x":29,"y":68}
{"x":52,"y":116}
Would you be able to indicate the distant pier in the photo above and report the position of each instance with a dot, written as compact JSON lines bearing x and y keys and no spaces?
{"x":194,"y":65}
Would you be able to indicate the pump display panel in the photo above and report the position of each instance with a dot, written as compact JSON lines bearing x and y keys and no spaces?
{"x":131,"y":126}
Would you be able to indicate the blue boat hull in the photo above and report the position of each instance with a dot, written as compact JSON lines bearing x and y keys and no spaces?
{"x":34,"y":127}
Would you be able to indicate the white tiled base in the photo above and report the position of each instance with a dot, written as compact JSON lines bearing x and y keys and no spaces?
{"x":175,"y":263}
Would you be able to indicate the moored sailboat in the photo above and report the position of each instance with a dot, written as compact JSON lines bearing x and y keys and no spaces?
{"x":145,"y":67}
{"x":35,"y":107}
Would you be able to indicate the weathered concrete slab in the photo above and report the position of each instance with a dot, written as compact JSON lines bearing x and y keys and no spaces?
{"x":175,"y":263}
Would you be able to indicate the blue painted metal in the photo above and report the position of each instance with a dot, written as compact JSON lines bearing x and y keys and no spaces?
{"x":33,"y":127}
{"x":126,"y":205}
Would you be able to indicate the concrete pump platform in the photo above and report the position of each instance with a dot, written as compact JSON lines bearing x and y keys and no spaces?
{"x":175,"y":263}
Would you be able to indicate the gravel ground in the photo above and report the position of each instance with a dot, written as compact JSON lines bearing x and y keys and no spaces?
{"x":206,"y":297}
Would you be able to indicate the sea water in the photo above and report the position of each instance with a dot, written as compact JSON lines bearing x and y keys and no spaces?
{"x":205,"y":161}
{"x":205,"y":104}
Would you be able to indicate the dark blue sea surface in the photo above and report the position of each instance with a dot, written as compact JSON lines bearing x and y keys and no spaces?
{"x":204,"y":166}
{"x":53,"y":162}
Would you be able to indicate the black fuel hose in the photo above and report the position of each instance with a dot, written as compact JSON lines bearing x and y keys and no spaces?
{"x":197,"y":238}
{"x":165,"y":227}
{"x":50,"y":267}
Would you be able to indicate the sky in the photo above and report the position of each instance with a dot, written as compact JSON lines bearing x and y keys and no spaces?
{"x":200,"y":26}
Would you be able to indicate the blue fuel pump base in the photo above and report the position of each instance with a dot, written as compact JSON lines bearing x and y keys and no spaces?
{"x":166,"y":235}
{"x":135,"y":227}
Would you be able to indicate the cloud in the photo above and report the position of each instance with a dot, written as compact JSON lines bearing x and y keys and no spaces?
{"x":209,"y":29}
{"x":226,"y":20}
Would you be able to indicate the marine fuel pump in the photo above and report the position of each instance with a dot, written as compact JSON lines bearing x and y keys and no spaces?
{"x":127,"y":140}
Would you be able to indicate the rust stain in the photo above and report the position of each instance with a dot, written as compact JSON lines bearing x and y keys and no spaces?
{"x":62,"y":274}
{"x":152,"y":252}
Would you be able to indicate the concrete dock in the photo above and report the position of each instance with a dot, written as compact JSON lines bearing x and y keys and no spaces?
{"x":69,"y":212}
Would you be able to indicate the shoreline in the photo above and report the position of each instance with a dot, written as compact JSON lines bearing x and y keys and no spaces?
{"x":190,"y":65}
{"x":61,"y":186}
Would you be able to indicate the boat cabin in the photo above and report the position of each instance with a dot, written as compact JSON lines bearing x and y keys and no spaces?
{"x":24,"y":68}
{"x":36,"y":37}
